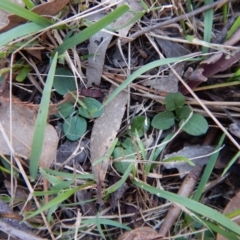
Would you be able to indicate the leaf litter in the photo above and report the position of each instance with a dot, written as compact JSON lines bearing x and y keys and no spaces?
{"x":105,"y":61}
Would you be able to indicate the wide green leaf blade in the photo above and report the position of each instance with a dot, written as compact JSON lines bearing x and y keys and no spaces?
{"x":41,"y":121}
{"x":91,"y":30}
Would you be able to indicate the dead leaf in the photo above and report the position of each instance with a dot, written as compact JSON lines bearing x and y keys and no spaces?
{"x":20,"y":197}
{"x":15,"y":226}
{"x":23,"y":120}
{"x":4,"y":15}
{"x":104,"y":132}
{"x":168,"y":83}
{"x":233,"y":205}
{"x":143,"y":233}
{"x":88,"y":208}
{"x":94,"y":93}
{"x":218,"y":62}
{"x":189,"y":152}
{"x":36,"y":53}
{"x":47,"y":9}
{"x":100,"y":41}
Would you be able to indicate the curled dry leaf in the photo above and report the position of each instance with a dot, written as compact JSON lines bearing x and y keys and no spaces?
{"x":47,"y":9}
{"x":218,"y":62}
{"x":104,"y":132}
{"x":144,"y":233}
{"x":189,"y":152}
{"x":23,"y":120}
{"x":233,"y":205}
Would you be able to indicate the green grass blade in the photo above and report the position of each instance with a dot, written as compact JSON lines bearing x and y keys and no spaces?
{"x":217,"y":229}
{"x":29,"y":4}
{"x":69,"y":175}
{"x":119,"y":183}
{"x":231,"y":163}
{"x":41,"y":121}
{"x":98,"y":223}
{"x":208,"y":170}
{"x":140,"y":71}
{"x":20,"y":31}
{"x":13,"y":8}
{"x":57,"y":200}
{"x":105,"y":222}
{"x":234,"y":27}
{"x":90,"y":31}
{"x":191,"y":205}
{"x":208,"y":24}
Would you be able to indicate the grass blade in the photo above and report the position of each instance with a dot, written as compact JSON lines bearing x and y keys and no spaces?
{"x":208,"y":24}
{"x":119,"y":183}
{"x":192,"y":205}
{"x":208,"y":170}
{"x":20,"y":31}
{"x":89,"y":31}
{"x":41,"y":121}
{"x":105,"y":222}
{"x":140,"y":71}
{"x":60,"y":198}
{"x":24,"y":13}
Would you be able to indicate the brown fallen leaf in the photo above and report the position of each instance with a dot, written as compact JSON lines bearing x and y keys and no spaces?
{"x":189,"y":152}
{"x":99,"y":42}
{"x":47,"y":9}
{"x":233,"y":205}
{"x":104,"y":131}
{"x":23,"y":120}
{"x":218,"y":62}
{"x":144,"y":233}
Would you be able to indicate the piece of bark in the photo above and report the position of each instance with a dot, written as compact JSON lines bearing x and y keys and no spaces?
{"x":143,"y":233}
{"x":186,"y":189}
{"x":189,"y":152}
{"x":104,"y":131}
{"x":233,"y":205}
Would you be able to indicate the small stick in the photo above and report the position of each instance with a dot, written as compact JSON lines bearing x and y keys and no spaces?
{"x":176,"y":19}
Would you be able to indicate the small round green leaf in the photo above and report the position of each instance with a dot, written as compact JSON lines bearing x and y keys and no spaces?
{"x":74,"y":127}
{"x":64,"y":81}
{"x":173,"y":101}
{"x":163,"y":120}
{"x":183,"y":112}
{"x":93,"y":108}
{"x":197,"y":125}
{"x":139,"y":123}
{"x":65,"y":110}
{"x":122,"y":153}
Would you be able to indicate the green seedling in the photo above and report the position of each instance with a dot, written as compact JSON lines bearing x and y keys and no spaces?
{"x":75,"y":124}
{"x":176,"y":110}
